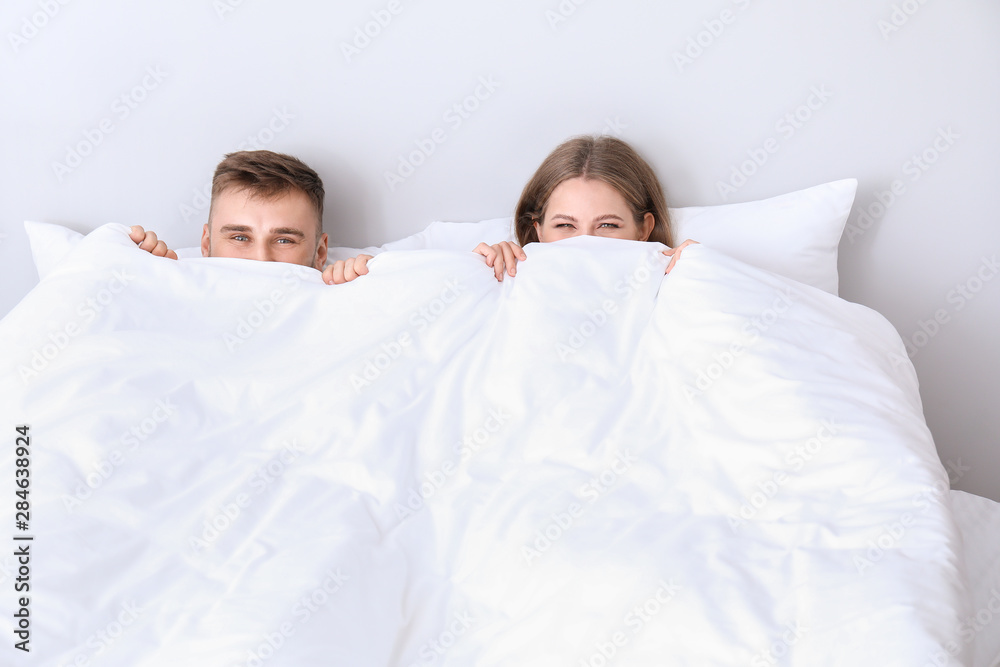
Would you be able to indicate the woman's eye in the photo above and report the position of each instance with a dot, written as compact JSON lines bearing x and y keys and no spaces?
{"x":612,"y":225}
{"x":564,"y":224}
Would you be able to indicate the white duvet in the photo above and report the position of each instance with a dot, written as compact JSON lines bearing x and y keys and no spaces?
{"x":589,"y":464}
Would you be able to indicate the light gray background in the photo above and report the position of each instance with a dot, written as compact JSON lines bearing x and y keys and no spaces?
{"x":896,"y":73}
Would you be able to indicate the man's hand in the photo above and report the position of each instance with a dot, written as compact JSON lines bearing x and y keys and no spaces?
{"x":345,"y":270}
{"x":147,"y":241}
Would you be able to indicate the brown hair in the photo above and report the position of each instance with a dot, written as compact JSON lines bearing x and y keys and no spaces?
{"x":268,"y":175}
{"x":604,"y":159}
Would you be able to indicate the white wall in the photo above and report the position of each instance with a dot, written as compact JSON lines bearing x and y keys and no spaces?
{"x":225,"y":75}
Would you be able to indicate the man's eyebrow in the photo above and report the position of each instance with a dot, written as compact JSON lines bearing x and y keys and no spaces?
{"x":234,"y":228}
{"x":290,"y":231}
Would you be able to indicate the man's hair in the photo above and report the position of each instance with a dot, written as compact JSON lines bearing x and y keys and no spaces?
{"x":604,"y":159}
{"x":268,"y":175}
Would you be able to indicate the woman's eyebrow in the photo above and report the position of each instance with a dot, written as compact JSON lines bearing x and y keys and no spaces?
{"x":600,"y":218}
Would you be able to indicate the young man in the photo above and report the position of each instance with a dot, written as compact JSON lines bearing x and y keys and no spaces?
{"x":265,"y":206}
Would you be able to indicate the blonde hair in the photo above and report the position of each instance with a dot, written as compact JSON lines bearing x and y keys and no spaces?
{"x":605,"y":159}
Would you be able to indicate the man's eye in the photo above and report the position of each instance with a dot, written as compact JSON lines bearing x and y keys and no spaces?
{"x":285,"y":241}
{"x":241,"y":237}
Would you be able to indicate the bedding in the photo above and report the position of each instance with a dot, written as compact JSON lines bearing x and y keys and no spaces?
{"x":796,"y":234}
{"x":979,"y":525}
{"x":232,"y":463}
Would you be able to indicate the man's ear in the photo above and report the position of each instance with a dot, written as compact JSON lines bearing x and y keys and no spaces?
{"x":206,"y":242}
{"x":321,"y":251}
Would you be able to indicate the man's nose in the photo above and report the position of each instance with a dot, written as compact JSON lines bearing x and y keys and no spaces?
{"x":263,"y":253}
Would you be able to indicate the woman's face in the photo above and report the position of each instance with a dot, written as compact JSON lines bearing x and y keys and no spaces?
{"x":588,"y":207}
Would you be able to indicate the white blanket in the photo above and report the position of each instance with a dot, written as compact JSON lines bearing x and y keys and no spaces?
{"x":589,"y":464}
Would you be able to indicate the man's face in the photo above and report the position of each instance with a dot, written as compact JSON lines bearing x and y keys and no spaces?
{"x":282,"y":229}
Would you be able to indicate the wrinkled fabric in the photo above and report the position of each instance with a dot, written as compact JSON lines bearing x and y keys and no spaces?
{"x":590,"y":463}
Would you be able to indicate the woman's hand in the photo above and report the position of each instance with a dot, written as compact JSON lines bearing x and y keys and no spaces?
{"x":503,"y":255}
{"x":147,"y":241}
{"x":675,"y":253}
{"x":345,"y":270}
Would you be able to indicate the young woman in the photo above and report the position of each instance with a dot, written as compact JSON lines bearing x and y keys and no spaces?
{"x":594,"y":186}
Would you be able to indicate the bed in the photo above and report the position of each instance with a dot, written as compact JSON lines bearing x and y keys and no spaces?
{"x":591,"y":464}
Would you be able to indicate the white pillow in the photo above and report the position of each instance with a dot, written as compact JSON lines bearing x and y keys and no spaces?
{"x":49,"y":244}
{"x":794,"y":235}
{"x":441,"y":236}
